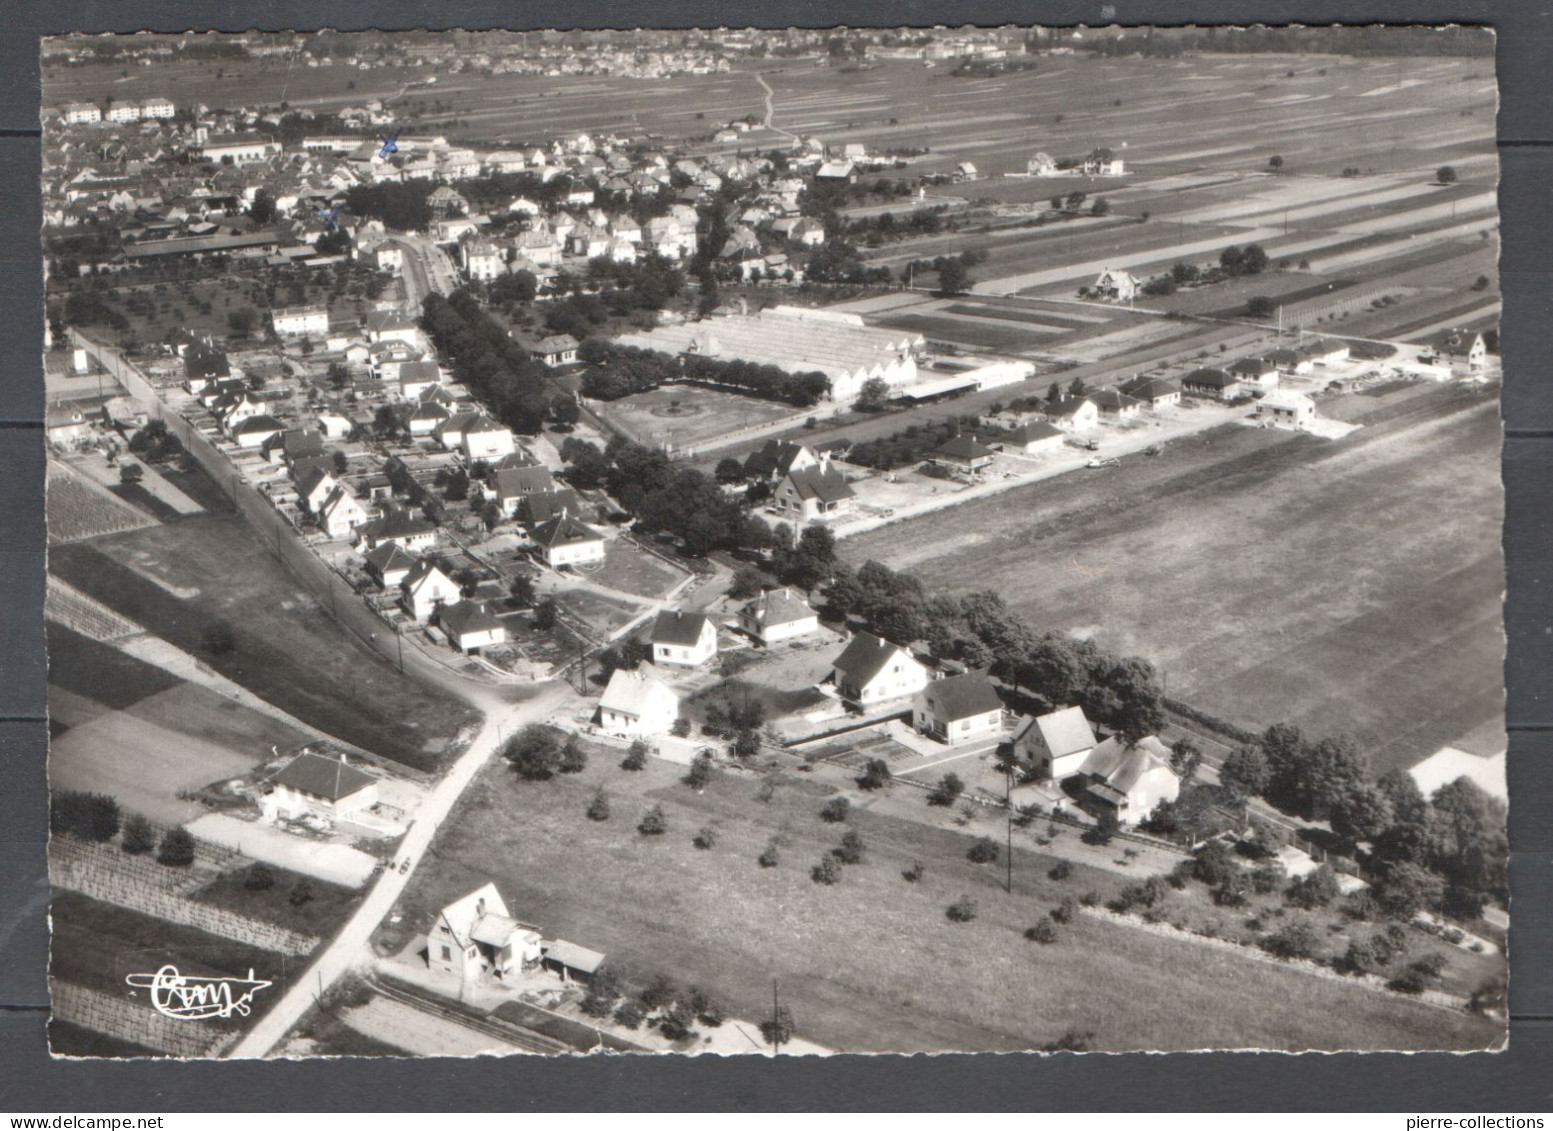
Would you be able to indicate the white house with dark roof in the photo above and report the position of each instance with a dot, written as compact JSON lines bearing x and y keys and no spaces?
{"x":683,"y":639}
{"x":426,"y":418}
{"x":477,"y":934}
{"x":965,"y":454}
{"x":1465,"y":350}
{"x":416,"y":378}
{"x":425,"y":588}
{"x":1054,"y":745}
{"x":250,"y":431}
{"x":1034,"y":438}
{"x":776,"y":458}
{"x":315,"y":487}
{"x":1154,"y":392}
{"x":1212,"y":384}
{"x":1116,"y":406}
{"x":541,"y":506}
{"x":1256,"y":372}
{"x":816,"y":491}
{"x":556,"y":350}
{"x":507,"y":487}
{"x":409,"y":530}
{"x":389,"y":564}
{"x":318,"y":785}
{"x":636,"y":703}
{"x":568,"y":541}
{"x":391,"y":325}
{"x":778,"y":615}
{"x":870,"y":671}
{"x":1117,"y":284}
{"x":471,"y":625}
{"x":959,"y":709}
{"x":1291,"y":361}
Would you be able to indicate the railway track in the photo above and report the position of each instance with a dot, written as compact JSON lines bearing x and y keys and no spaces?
{"x":522,"y":1039}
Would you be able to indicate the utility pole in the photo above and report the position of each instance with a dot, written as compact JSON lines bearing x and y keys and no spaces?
{"x":776,"y":1019}
{"x":1008,"y":805}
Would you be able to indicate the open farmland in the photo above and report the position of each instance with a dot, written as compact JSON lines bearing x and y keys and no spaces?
{"x":166,"y":736}
{"x":179,"y":578}
{"x":716,"y":919}
{"x":1257,"y":571}
{"x":96,"y":945}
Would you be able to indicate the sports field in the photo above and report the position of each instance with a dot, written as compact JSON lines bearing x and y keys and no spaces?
{"x":1271,"y":576}
{"x":687,"y":415}
{"x":872,"y":963}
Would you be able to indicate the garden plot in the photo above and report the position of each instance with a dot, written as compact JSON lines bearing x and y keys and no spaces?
{"x":79,"y":508}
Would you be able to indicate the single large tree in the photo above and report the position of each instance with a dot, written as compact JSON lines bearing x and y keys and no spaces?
{"x":953,"y":278}
{"x":1244,"y":772}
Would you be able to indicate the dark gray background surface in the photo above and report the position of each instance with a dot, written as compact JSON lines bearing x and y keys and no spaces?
{"x":1517,"y":1080}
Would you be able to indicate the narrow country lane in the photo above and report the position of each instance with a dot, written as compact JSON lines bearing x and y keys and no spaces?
{"x":349,"y":947}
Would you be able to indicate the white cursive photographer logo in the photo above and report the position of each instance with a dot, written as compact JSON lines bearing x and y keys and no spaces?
{"x":195,"y":998}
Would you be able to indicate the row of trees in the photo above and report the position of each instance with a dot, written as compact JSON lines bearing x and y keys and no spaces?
{"x":97,"y":817}
{"x":618,"y":371}
{"x":1447,"y":851}
{"x":399,"y":204}
{"x":914,"y":443}
{"x":505,"y":377}
{"x":980,"y":630}
{"x":679,"y":501}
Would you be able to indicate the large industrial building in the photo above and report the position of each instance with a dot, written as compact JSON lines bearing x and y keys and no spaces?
{"x":797,"y":340}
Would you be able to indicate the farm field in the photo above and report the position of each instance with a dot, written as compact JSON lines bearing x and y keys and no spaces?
{"x":1332,"y":113}
{"x":122,"y":727}
{"x":179,"y":578}
{"x":687,"y":415}
{"x":79,"y":509}
{"x":1255,"y":570}
{"x":715,"y":918}
{"x":96,"y":945}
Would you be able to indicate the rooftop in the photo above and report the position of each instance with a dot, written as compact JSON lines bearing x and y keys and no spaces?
{"x":320,"y":776}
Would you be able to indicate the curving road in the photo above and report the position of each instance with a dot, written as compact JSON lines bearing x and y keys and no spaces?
{"x":771,"y":108}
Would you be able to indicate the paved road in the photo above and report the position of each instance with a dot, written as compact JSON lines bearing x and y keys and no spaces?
{"x":427,"y":268}
{"x":1114,"y":443}
{"x":349,"y":947}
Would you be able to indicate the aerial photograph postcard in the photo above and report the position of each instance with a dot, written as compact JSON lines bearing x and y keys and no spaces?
{"x":774,"y":542}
